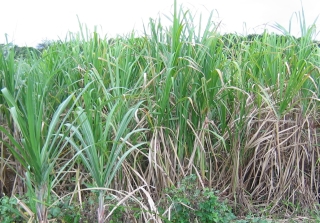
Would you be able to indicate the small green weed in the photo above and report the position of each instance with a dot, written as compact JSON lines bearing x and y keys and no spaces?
{"x":8,"y":210}
{"x":253,"y":219}
{"x":68,"y":213}
{"x":191,"y":204}
{"x":128,"y":209}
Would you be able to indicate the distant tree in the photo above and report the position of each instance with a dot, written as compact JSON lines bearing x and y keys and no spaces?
{"x":44,"y":45}
{"x":23,"y":52}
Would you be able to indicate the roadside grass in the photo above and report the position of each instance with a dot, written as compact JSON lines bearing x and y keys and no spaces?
{"x":114,"y":127}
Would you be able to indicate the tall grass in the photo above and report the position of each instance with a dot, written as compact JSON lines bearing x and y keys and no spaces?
{"x":240,"y":112}
{"x":37,"y":140}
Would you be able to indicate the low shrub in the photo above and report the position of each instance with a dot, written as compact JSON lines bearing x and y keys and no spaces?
{"x":192,"y":204}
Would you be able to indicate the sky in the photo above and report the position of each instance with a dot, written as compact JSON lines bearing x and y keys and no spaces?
{"x":30,"y":22}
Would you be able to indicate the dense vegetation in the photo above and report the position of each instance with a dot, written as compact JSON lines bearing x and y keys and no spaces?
{"x":143,"y":128}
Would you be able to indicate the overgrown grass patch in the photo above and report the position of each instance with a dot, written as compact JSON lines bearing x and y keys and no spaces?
{"x":130,"y":118}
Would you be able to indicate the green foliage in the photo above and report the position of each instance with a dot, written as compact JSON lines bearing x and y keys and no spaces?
{"x":68,"y":213}
{"x":42,"y":140}
{"x":8,"y":210}
{"x":254,"y":219}
{"x":122,"y":211}
{"x":192,"y":204}
{"x":189,"y":203}
{"x":222,"y":104}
